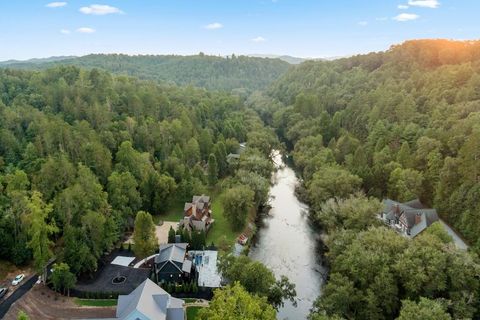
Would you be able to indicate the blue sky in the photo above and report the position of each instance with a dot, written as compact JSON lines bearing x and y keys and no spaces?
{"x":304,"y":28}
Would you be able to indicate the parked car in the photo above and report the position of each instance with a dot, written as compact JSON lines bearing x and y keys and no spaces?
{"x":3,"y":291}
{"x":18,"y":279}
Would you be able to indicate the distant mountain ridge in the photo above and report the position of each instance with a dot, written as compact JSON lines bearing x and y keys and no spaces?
{"x":36,"y":60}
{"x":241,"y":73}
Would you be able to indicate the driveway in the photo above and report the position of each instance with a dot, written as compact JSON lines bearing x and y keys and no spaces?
{"x":161,"y":232}
{"x":103,"y":280}
{"x":17,"y":294}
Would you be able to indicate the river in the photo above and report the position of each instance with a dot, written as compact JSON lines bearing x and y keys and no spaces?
{"x":288,"y":243}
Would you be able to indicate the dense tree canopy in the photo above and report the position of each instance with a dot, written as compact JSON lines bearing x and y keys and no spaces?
{"x":402,"y":124}
{"x":234,"y":302}
{"x":211,"y":72}
{"x":257,"y":279}
{"x":96,"y":149}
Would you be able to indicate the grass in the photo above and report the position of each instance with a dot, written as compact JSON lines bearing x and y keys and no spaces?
{"x":174,"y":213}
{"x":192,"y":312}
{"x":96,"y":302}
{"x":221,"y":228}
{"x":189,"y":300}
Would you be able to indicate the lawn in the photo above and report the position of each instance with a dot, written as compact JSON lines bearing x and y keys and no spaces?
{"x":174,"y":213}
{"x":192,"y":312}
{"x":96,"y":302}
{"x":221,"y":227}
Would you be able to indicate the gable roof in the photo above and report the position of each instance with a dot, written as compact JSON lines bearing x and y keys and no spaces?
{"x":201,"y":199}
{"x":174,"y":252}
{"x":152,"y":302}
{"x":410,"y":210}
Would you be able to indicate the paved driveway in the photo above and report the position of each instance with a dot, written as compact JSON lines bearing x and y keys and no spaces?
{"x":17,"y":294}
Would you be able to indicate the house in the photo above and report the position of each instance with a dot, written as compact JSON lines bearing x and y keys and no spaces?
{"x":172,"y":263}
{"x":149,"y":302}
{"x":409,"y":218}
{"x":197,"y":214}
{"x":233,"y":158}
{"x":205,"y":263}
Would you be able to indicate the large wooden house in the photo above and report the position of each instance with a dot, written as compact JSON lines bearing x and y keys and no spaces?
{"x":197,"y":214}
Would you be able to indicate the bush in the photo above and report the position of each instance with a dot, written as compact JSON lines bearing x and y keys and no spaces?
{"x":178,"y":288}
{"x":195,"y":288}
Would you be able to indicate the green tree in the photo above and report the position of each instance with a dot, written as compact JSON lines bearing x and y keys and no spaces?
{"x":237,"y":203}
{"x":40,"y":228}
{"x":192,"y":152}
{"x":212,"y":170}
{"x":356,"y":212}
{"x":123,"y":194}
{"x":256,"y":278}
{"x":329,"y":182}
{"x":144,"y":235}
{"x":405,"y":184}
{"x":425,"y":309}
{"x":233,"y":302}
{"x":171,"y":235}
{"x":62,"y":278}
{"x":22,"y":315}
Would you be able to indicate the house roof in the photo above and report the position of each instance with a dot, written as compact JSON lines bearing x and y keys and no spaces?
{"x":206,"y":266}
{"x":151,"y":301}
{"x":199,"y":202}
{"x":187,"y":266}
{"x":174,"y":252}
{"x":201,"y":199}
{"x":410,"y":210}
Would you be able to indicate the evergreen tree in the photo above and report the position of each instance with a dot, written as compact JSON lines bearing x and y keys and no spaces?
{"x":212,"y":170}
{"x":144,"y":238}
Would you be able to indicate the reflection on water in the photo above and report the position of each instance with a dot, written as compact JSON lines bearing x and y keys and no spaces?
{"x":287,"y":243}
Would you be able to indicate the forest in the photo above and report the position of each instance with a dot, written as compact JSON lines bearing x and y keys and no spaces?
{"x":399,"y":124}
{"x":239,"y":73}
{"x":83,"y":150}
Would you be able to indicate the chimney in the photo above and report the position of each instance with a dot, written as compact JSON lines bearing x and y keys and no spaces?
{"x":396,"y":210}
{"x":418,"y":218}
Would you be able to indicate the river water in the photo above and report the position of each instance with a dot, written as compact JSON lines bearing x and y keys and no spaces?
{"x":288,"y":243}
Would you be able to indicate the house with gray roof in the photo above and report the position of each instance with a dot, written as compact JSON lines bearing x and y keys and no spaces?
{"x":150,"y":302}
{"x":172,"y":263}
{"x":409,"y":218}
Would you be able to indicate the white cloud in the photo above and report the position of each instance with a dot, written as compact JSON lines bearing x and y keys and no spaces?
{"x":424,"y":3}
{"x":56,"y":4}
{"x":214,"y":26}
{"x":406,"y":17}
{"x":363,"y":23}
{"x":259,"y":39}
{"x":65,"y":31}
{"x":402,"y":6}
{"x":85,"y":30}
{"x":100,"y":9}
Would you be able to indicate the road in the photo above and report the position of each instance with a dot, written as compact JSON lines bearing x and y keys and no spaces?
{"x":17,"y":294}
{"x":456,"y":238}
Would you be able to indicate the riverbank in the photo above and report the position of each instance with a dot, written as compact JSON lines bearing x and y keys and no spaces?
{"x":288,"y":243}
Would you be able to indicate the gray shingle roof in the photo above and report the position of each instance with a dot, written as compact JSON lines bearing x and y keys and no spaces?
{"x":172,"y":252}
{"x":203,"y":198}
{"x":410,"y":210}
{"x":152,"y":302}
